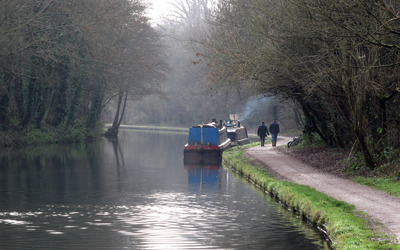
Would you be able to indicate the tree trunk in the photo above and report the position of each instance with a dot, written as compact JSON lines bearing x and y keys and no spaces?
{"x":313,"y":122}
{"x":359,"y":109}
{"x":123,"y":109}
{"x":112,"y":133}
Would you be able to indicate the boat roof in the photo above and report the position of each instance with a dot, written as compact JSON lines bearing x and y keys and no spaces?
{"x":213,"y":125}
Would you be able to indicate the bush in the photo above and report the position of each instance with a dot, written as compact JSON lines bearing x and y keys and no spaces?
{"x":76,"y":133}
{"x":312,"y":140}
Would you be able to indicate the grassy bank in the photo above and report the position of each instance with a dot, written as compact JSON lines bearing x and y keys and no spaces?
{"x":346,"y":228}
{"x":49,"y":135}
{"x":390,"y":185}
{"x":74,"y":134}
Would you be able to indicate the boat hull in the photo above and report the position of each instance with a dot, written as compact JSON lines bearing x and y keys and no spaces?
{"x":238,"y":136}
{"x":206,"y":144}
{"x":204,"y":153}
{"x":241,"y":142}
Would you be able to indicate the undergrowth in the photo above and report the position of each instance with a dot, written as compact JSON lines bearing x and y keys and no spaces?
{"x":385,"y":176}
{"x":311,"y":140}
{"x":49,"y":135}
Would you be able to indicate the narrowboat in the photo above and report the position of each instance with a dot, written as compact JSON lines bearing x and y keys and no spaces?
{"x":206,"y":142}
{"x":236,"y":132}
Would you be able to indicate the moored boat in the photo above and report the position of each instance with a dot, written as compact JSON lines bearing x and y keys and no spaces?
{"x":236,"y":132}
{"x":206,"y":142}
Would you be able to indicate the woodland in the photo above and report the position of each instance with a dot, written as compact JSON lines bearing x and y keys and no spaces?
{"x":337,"y":61}
{"x":331,"y":67}
{"x":62,"y":62}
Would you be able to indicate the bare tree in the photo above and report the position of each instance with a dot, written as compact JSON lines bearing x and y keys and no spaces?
{"x":336,"y":59}
{"x":60,"y":61}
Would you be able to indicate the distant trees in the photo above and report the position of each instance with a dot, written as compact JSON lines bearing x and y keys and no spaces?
{"x":337,"y":60}
{"x":141,"y":65}
{"x":191,"y":100}
{"x":61,"y":62}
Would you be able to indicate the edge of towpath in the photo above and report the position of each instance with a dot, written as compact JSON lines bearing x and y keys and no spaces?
{"x":380,"y":206}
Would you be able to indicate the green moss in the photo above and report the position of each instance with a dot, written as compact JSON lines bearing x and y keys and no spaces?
{"x":344,"y":227}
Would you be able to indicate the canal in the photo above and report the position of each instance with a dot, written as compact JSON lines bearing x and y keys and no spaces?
{"x":136,"y":194}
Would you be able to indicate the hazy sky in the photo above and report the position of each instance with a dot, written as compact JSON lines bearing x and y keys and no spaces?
{"x":158,"y":8}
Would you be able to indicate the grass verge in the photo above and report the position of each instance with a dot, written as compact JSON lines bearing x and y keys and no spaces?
{"x":344,"y":227}
{"x":390,"y":185}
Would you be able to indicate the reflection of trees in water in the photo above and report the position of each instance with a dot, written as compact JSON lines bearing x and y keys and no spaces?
{"x":118,"y":153}
{"x":51,"y":174}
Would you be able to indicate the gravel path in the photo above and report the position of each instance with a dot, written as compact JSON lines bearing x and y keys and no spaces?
{"x":380,"y":206}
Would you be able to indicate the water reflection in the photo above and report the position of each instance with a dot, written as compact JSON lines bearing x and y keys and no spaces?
{"x":199,"y":176}
{"x":136,"y":193}
{"x":119,"y":156}
{"x":59,"y":174}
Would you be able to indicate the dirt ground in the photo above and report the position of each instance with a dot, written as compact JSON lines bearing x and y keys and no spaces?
{"x":316,"y":168}
{"x":322,"y":158}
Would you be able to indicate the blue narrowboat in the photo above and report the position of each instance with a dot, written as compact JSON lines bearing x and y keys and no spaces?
{"x":206,"y":143}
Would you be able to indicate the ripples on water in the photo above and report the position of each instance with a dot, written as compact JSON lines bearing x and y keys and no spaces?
{"x":138,"y":202}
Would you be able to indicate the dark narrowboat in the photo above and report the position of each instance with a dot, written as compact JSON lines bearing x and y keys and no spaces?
{"x":236,"y":132}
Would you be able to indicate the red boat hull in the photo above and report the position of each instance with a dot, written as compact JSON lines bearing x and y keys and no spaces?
{"x":203,"y":154}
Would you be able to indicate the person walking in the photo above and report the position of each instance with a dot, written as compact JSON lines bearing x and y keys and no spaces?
{"x":262,"y":132}
{"x":274,"y":130}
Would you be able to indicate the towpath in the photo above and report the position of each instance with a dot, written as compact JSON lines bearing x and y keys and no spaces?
{"x":380,"y":206}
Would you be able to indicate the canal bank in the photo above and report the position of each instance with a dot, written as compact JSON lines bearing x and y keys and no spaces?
{"x":155,"y":128}
{"x":353,"y":216}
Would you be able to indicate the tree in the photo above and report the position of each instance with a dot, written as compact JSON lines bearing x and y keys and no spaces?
{"x":337,"y":60}
{"x":139,"y":69}
{"x":61,"y":60}
{"x":190,"y":98}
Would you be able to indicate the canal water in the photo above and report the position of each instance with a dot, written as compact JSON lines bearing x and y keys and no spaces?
{"x":136,"y":194}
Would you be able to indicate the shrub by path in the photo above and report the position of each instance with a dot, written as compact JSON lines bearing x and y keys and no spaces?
{"x":380,"y":206}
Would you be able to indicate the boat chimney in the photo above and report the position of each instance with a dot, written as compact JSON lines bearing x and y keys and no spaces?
{"x":238,"y":124}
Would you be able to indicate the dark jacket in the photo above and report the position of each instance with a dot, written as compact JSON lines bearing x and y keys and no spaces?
{"x":274,"y":128}
{"x":262,"y":130}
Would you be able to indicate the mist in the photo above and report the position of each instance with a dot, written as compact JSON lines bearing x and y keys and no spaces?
{"x":190,"y":98}
{"x":255,"y":103}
